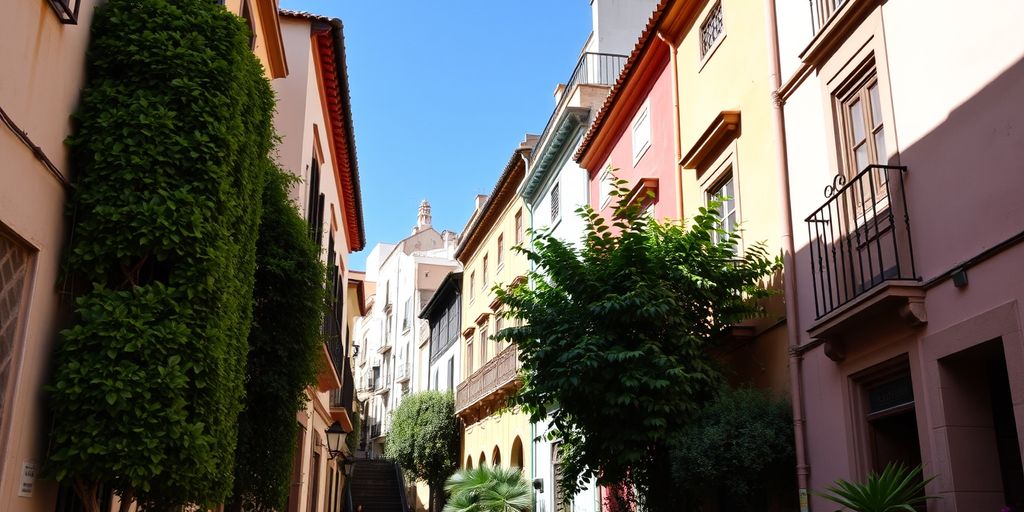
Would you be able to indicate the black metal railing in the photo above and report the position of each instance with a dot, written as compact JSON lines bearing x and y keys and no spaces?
{"x":860,"y":237}
{"x":591,"y":69}
{"x":822,"y":11}
{"x":375,"y":430}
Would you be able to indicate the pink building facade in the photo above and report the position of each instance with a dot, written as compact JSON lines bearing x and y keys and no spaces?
{"x":634,"y":136}
{"x":908,"y":267}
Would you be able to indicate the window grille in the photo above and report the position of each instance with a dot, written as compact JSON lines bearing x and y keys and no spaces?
{"x":711,"y":29}
{"x":14,"y":268}
{"x":554,"y":203}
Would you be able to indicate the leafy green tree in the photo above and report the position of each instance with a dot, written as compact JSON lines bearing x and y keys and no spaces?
{"x":488,"y":489}
{"x":170,"y":153}
{"x":284,"y":346}
{"x":737,"y":450}
{"x":424,"y":438}
{"x":617,"y":334}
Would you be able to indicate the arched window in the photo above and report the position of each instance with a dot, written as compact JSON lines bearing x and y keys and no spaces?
{"x":482,"y":459}
{"x":469,"y":462}
{"x":496,"y":456}
{"x":517,"y":453}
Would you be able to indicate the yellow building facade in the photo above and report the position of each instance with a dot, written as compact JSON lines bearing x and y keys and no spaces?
{"x":727,"y":149}
{"x":492,"y":434}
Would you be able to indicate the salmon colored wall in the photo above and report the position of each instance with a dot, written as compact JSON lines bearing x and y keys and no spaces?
{"x":658,"y":161}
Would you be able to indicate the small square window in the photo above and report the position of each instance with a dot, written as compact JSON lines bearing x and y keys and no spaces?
{"x":712,"y":29}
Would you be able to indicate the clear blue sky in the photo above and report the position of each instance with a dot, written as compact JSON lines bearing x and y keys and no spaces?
{"x":442,"y":93}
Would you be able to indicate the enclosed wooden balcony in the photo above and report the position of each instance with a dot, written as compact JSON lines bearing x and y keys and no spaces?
{"x":486,"y":389}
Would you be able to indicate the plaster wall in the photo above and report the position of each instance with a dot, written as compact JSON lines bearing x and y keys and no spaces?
{"x":499,"y":430}
{"x":617,"y":23}
{"x":658,"y":161}
{"x":950,"y":120}
{"x":44,"y":65}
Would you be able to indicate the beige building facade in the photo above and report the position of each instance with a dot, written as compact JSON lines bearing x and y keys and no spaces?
{"x":492,"y":435}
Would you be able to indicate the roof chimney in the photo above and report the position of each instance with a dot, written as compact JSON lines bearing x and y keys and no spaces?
{"x":480,"y":200}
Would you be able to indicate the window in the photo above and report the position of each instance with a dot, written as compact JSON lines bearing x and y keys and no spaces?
{"x":407,"y":315}
{"x":499,"y":324}
{"x":436,"y":378}
{"x":554,"y":203}
{"x":451,"y":373}
{"x":483,"y":344}
{"x":725,"y":192}
{"x":711,"y":30}
{"x":519,"y":226}
{"x":641,"y":134}
{"x":483,"y":278}
{"x":863,"y":132}
{"x":15,"y":262}
{"x":472,"y":285}
{"x":469,"y":356}
{"x":247,"y":16}
{"x":501,"y":250}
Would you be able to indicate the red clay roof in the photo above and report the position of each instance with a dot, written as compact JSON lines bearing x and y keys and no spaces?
{"x":331,"y":45}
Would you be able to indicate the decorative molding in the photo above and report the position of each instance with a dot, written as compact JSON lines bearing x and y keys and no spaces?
{"x":726,"y":124}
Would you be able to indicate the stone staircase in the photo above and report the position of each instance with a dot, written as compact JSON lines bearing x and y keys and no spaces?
{"x":375,"y":486}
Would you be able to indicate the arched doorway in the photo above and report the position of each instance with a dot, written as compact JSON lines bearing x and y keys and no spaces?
{"x":469,"y":462}
{"x":496,"y":456}
{"x":482,"y":459}
{"x":517,"y":453}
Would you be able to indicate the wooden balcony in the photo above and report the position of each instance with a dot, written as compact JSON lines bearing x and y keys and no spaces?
{"x":487,"y":387}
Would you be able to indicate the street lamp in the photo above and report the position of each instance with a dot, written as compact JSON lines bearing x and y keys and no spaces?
{"x":335,"y":434}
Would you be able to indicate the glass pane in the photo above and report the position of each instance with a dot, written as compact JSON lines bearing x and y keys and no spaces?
{"x":876,"y":106}
{"x":857,"y":121}
{"x":880,"y":155}
{"x":860,"y":156}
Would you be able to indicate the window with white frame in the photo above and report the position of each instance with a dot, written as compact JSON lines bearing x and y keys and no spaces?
{"x":711,"y":29}
{"x":724,"y":192}
{"x":641,"y":133}
{"x":407,"y":315}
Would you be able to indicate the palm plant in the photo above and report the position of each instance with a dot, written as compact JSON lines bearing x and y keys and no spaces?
{"x":488,"y":489}
{"x":896,"y":489}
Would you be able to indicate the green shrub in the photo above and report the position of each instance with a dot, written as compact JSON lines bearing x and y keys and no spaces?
{"x":424,"y":438}
{"x":284,"y":347}
{"x":738,"y":449}
{"x":170,"y":154}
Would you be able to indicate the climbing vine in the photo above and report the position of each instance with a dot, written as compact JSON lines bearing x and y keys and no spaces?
{"x":284,"y":347}
{"x":170,"y":151}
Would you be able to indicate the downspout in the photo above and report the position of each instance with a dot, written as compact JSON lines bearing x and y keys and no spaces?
{"x":788,"y":261}
{"x":672,"y":52}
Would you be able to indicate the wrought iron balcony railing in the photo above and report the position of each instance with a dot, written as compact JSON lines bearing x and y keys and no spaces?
{"x":493,"y":376}
{"x":591,"y":69}
{"x":860,"y":237}
{"x":822,"y":11}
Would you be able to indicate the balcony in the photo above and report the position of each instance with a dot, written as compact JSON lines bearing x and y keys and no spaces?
{"x":860,"y":250}
{"x":822,"y":11}
{"x":488,"y":385}
{"x":375,"y":430}
{"x":591,"y":69}
{"x":403,"y":372}
{"x":385,"y":348}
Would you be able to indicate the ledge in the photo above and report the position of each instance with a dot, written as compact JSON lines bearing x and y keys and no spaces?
{"x":644,"y":192}
{"x":904,"y":298}
{"x":835,"y":30}
{"x":726,"y":124}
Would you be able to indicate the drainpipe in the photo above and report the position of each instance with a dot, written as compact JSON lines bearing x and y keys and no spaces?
{"x":672,"y":52}
{"x":788,"y":255}
{"x":533,"y":426}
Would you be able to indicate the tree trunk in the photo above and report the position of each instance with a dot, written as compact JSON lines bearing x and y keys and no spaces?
{"x":87,"y":492}
{"x":662,"y":493}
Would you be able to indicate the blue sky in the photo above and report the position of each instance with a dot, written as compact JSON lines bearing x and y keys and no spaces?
{"x":442,"y":93}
